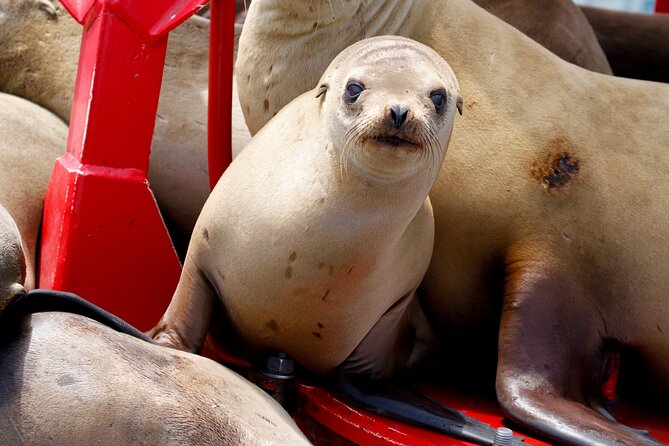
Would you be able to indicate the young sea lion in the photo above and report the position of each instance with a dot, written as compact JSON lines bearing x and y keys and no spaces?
{"x":527,"y":208}
{"x":317,"y":235}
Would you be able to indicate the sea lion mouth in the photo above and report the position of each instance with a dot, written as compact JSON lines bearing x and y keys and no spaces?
{"x":394,"y":141}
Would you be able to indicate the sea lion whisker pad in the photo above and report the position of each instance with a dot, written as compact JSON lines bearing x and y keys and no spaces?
{"x":317,"y":236}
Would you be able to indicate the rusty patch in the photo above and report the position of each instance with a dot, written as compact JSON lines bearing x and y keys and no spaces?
{"x":557,"y":169}
{"x":265,"y":105}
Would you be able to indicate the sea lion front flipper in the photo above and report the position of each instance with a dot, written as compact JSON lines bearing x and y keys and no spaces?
{"x":395,"y":343}
{"x":550,"y":355}
{"x":185,"y":324}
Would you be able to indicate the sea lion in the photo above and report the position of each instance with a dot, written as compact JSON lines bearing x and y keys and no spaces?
{"x":636,"y":44}
{"x":371,"y":136}
{"x":534,"y":271}
{"x":39,"y":50}
{"x":325,"y":224}
{"x":66,"y":379}
{"x":12,"y":259}
{"x":32,"y":139}
{"x":558,"y":25}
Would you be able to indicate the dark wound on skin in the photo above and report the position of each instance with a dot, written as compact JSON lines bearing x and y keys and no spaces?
{"x":558,"y":169}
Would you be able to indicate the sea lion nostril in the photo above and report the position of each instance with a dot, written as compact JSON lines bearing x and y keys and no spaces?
{"x":398,"y":114}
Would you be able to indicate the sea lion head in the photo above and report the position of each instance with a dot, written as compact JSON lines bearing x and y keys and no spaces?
{"x":12,"y":260}
{"x":394,"y":100}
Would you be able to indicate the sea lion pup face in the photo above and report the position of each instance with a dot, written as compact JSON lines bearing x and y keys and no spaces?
{"x":393,"y":119}
{"x":12,"y":260}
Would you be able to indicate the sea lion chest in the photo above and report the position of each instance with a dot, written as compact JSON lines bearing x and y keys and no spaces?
{"x":304,"y":256}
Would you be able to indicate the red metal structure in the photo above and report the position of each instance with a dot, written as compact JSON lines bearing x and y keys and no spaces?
{"x":103,"y":237}
{"x":662,"y":6}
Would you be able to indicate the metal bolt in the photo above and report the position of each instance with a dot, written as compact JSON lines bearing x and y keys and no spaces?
{"x":280,"y":364}
{"x":503,"y":437}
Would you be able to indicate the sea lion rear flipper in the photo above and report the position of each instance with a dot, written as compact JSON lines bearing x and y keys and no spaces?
{"x":391,"y":346}
{"x":404,"y":404}
{"x":550,"y":356}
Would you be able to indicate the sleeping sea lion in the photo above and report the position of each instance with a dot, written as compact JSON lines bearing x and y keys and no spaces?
{"x":66,"y":379}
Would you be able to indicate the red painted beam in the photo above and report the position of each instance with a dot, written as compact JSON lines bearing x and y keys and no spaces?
{"x":222,"y":33}
{"x":103,"y":237}
{"x":662,"y":6}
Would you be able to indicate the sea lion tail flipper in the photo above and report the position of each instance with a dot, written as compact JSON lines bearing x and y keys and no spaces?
{"x":550,"y":355}
{"x":404,"y":404}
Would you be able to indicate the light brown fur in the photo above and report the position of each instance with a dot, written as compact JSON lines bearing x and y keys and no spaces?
{"x":32,"y":138}
{"x":65,"y":379}
{"x":546,"y":159}
{"x":309,"y":256}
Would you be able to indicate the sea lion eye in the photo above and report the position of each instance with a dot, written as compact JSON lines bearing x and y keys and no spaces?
{"x":353,"y":90}
{"x":439,"y":100}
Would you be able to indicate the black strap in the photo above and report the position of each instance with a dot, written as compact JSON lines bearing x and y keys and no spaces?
{"x":41,"y":301}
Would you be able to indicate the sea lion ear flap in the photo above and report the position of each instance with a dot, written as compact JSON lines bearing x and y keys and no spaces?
{"x":321,"y":90}
{"x":458,"y":104}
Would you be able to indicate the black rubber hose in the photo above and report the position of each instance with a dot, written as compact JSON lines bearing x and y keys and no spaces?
{"x":42,"y":301}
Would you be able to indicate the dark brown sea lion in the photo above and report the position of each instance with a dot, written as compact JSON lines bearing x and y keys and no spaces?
{"x":558,"y":25}
{"x":636,"y":45}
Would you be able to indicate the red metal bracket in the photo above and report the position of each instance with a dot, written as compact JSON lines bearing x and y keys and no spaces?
{"x":662,"y":6}
{"x":103,"y":237}
{"x":222,"y":34}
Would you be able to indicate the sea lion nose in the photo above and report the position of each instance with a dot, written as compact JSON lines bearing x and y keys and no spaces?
{"x":398,"y":115}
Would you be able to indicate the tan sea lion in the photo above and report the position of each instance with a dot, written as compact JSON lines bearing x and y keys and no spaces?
{"x":39,"y":50}
{"x":527,"y":208}
{"x":368,"y":137}
{"x":636,"y":44}
{"x":326,"y":229}
{"x":32,"y":138}
{"x":66,"y":379}
{"x":12,"y":259}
